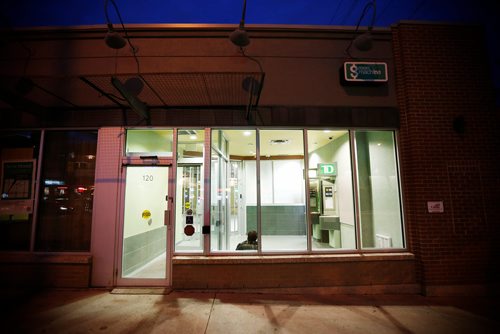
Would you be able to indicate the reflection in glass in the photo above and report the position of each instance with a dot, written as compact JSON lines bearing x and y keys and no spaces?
{"x":18,"y":160}
{"x":67,"y":191}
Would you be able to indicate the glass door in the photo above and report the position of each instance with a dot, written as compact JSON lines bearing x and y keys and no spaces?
{"x":146,"y":227}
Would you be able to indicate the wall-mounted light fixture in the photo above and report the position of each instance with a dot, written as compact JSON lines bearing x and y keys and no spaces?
{"x":133,"y":101}
{"x":113,"y":39}
{"x":134,"y":85}
{"x":239,"y":37}
{"x":364,"y":42}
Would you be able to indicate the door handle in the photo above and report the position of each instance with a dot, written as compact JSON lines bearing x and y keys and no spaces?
{"x":166,"y":218}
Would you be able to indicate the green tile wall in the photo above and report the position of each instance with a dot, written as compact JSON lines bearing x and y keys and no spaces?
{"x":278,"y":219}
{"x":142,"y":248}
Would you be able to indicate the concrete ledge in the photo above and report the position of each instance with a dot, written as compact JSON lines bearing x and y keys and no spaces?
{"x":45,"y":258}
{"x":398,"y":289}
{"x":316,"y":258}
{"x":340,"y":272}
{"x":457,"y":290}
{"x":37,"y":270}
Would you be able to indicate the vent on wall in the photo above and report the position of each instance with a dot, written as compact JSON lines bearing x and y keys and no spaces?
{"x":187,"y":132}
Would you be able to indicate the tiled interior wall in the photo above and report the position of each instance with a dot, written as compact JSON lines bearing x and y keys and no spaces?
{"x":141,"y":248}
{"x":278,"y":219}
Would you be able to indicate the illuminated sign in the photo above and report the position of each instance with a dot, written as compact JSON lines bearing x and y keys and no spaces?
{"x":365,"y":72}
{"x":327,"y":169}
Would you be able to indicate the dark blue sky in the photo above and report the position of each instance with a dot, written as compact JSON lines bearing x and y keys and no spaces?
{"x":309,"y":12}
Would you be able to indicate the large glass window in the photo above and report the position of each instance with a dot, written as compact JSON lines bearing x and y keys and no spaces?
{"x":233,"y":189}
{"x":378,"y":190}
{"x":331,"y":204}
{"x":66,"y":191}
{"x":282,"y":189}
{"x":18,"y":163}
{"x":189,"y":190}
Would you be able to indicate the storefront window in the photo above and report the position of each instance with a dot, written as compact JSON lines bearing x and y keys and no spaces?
{"x":66,"y":191}
{"x":233,"y":189}
{"x":282,"y":191}
{"x":331,"y":204}
{"x":18,"y":163}
{"x":189,"y":190}
{"x":378,"y":190}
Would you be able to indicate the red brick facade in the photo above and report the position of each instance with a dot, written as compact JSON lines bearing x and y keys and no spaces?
{"x":448,"y":152}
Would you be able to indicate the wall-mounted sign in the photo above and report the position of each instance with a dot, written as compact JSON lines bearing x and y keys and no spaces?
{"x":189,"y":230}
{"x":146,"y":214}
{"x":327,"y":169}
{"x":435,"y":207}
{"x":365,"y":72}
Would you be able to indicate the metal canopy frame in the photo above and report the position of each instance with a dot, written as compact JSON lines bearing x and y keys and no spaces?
{"x":200,"y":90}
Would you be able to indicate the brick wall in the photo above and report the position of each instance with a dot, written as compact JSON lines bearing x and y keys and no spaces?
{"x":449,"y":150}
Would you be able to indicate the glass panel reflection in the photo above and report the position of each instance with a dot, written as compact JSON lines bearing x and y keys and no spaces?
{"x":18,"y":162}
{"x":67,"y":191}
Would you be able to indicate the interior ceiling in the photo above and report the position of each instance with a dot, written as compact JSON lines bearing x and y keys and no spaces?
{"x":276,"y":143}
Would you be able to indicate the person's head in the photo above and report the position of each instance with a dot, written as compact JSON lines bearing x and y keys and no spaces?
{"x":252,"y":236}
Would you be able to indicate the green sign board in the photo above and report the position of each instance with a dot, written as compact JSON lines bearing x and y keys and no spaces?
{"x":365,"y":72}
{"x":327,"y":169}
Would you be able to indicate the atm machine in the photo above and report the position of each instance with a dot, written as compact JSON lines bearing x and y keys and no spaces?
{"x":324,"y":205}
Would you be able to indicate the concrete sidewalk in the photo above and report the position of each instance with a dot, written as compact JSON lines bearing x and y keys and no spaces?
{"x":99,"y":311}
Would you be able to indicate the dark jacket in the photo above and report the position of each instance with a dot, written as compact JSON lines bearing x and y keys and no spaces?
{"x":245,"y":245}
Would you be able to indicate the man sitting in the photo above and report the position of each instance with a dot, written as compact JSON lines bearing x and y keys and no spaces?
{"x":250,"y":243}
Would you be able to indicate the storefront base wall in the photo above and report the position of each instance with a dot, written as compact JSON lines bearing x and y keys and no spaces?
{"x":28,"y":271}
{"x":349,"y":274}
{"x":458,"y":290}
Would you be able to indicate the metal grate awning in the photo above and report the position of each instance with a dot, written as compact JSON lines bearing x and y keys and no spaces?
{"x":161,"y":90}
{"x":213,"y":89}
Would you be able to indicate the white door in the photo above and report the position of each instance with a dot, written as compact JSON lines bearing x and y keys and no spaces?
{"x":146,"y":229}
